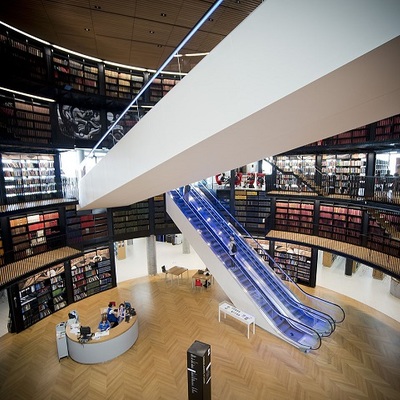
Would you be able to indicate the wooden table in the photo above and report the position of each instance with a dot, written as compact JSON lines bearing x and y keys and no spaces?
{"x":176,"y":271}
{"x":203,"y":277}
{"x":234,"y":312}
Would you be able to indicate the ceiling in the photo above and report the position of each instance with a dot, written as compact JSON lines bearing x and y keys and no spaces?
{"x":140,"y":33}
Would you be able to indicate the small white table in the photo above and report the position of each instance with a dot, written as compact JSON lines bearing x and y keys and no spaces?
{"x":234,"y":312}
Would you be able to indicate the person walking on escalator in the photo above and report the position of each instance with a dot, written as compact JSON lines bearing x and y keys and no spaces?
{"x":232,"y":246}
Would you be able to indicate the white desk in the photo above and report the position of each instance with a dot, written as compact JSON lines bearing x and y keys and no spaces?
{"x":106,"y":347}
{"x":241,"y":316}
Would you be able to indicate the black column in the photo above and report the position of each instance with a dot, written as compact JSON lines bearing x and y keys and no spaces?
{"x":199,"y":371}
{"x":313,"y":267}
{"x":348,"y":269}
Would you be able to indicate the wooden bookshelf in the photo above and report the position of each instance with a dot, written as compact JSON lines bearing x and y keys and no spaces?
{"x":85,"y":226}
{"x":122,"y":84}
{"x":295,"y":260}
{"x":25,"y":60}
{"x":91,"y":273}
{"x":340,"y":223}
{"x":354,"y":136}
{"x":33,"y":233}
{"x":42,"y":294}
{"x":252,"y":209}
{"x":160,"y":87}
{"x":338,"y":171}
{"x":384,"y":233}
{"x":25,"y":121}
{"x":294,"y":216}
{"x":28,"y":177}
{"x":132,"y":221}
{"x":76,"y":74}
{"x":162,"y":221}
{"x":388,"y":129}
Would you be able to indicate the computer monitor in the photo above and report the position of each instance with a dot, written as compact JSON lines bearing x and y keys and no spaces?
{"x":85,"y":331}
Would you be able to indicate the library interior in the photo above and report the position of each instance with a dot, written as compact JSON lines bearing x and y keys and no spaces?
{"x":314,"y":281}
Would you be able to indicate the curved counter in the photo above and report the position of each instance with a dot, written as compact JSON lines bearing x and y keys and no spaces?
{"x":120,"y":339}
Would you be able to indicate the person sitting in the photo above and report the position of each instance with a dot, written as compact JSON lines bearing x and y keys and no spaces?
{"x":104,"y":324}
{"x":121,"y":312}
{"x":112,"y":318}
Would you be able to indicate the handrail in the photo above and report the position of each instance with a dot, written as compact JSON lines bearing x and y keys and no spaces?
{"x":272,"y":260}
{"x":291,"y":322}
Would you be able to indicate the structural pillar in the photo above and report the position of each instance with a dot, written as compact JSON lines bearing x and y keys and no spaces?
{"x":151,"y":255}
{"x":185,"y":245}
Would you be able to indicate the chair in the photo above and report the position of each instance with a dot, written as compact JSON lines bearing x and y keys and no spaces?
{"x":198,"y":283}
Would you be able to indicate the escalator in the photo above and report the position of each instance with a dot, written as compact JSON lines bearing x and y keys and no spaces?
{"x":317,"y":305}
{"x":248,"y":282}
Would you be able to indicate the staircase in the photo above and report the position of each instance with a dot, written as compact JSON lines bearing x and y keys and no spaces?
{"x":247,"y":280}
{"x":304,"y":179}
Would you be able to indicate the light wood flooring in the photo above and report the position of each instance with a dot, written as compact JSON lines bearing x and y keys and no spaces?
{"x":361,"y":360}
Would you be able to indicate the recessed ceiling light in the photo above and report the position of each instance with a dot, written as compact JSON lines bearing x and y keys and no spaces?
{"x":152,"y":32}
{"x":163,"y":14}
{"x":210,"y":19}
{"x":87,"y":29}
{"x":159,"y":45}
{"x":97,"y":7}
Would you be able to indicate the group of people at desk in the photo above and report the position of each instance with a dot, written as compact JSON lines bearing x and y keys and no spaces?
{"x":114,"y":316}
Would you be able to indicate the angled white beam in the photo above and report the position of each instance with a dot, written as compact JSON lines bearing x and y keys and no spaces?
{"x":293,"y":72}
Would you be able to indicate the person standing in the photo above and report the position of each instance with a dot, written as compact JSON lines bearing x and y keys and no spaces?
{"x":121,"y":312}
{"x":232,"y":246}
{"x":111,"y":317}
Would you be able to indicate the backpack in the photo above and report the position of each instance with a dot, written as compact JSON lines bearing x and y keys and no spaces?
{"x":234,"y":248}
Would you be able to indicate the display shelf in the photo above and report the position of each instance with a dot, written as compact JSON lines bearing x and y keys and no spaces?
{"x":25,"y":121}
{"x":32,"y":233}
{"x":339,"y":171}
{"x":132,"y":221}
{"x":340,"y":223}
{"x":76,"y":74}
{"x":91,"y":273}
{"x":28,"y":177}
{"x":252,"y":209}
{"x":122,"y":84}
{"x":295,"y":260}
{"x":294,"y":216}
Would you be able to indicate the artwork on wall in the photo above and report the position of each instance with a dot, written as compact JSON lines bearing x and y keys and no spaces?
{"x":79,"y":123}
{"x":129,"y":120}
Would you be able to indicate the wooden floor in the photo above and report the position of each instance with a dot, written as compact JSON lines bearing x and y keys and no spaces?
{"x":361,"y":360}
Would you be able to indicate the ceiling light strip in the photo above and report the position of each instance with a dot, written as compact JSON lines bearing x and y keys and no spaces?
{"x":25,"y":34}
{"x":166,"y":62}
{"x":32,"y":96}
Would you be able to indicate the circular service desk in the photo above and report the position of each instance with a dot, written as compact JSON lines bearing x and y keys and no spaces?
{"x":105,"y":348}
